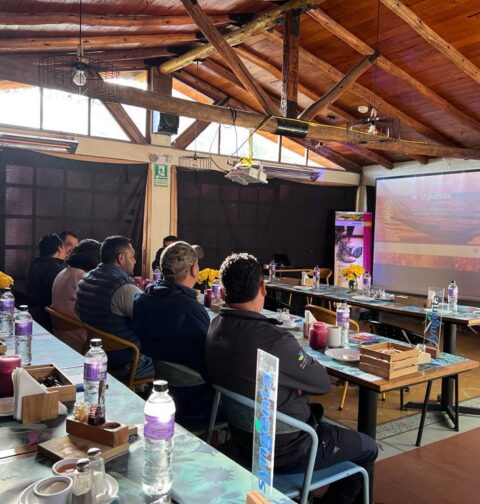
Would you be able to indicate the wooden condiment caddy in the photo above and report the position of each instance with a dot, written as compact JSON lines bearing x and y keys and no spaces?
{"x":389,"y":360}
{"x":109,"y":433}
{"x":3,"y":348}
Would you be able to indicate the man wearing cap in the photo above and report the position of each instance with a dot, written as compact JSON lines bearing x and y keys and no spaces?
{"x":172,"y":325}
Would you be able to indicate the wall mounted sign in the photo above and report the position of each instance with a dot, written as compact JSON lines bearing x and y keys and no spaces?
{"x":160,"y":175}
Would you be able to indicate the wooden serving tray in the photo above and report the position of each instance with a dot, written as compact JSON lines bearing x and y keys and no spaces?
{"x":388,"y":360}
{"x":109,"y":434}
{"x":76,"y":447}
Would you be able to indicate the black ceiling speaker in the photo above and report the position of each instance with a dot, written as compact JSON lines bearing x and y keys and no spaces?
{"x":168,"y":123}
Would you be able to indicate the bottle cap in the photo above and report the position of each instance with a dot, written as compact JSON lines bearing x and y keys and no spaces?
{"x":23,"y":307}
{"x":94,"y":453}
{"x":96,"y":342}
{"x":160,"y":386}
{"x":83,"y":465}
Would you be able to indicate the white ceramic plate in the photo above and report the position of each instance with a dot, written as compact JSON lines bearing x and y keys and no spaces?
{"x":28,"y":497}
{"x":363,"y":298}
{"x":344,"y":354}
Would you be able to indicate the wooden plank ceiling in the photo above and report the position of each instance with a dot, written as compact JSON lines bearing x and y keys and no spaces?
{"x":427,"y":74}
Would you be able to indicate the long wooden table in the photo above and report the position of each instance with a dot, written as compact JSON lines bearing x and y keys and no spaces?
{"x":467,"y":316}
{"x":201,"y":474}
{"x":369,"y":385}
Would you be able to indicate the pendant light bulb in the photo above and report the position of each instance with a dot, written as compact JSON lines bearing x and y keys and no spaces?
{"x":79,"y":77}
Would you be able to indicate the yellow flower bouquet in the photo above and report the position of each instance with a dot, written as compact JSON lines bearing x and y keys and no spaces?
{"x":352,"y":272}
{"x":5,"y":280}
{"x":208,"y":275}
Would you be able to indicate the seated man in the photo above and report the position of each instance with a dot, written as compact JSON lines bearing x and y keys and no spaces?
{"x":172,"y":325}
{"x":166,"y":242}
{"x":231,"y":354}
{"x":105,"y":301}
{"x":43,"y":271}
{"x":70,"y":241}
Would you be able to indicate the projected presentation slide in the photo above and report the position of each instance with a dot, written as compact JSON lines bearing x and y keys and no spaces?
{"x":427,"y":233}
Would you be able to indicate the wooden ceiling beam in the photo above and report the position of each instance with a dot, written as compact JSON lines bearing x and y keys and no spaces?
{"x":365,"y":93}
{"x":339,"y":88}
{"x":258,"y":25}
{"x":229,"y":55}
{"x":289,"y":95}
{"x":433,"y":38}
{"x":331,"y":108}
{"x":65,"y":44}
{"x":12,"y":69}
{"x":21,"y":19}
{"x":395,"y":71}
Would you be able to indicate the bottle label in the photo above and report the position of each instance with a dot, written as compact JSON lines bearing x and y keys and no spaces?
{"x":7,"y":305}
{"x":343,"y":317}
{"x":157,"y":276}
{"x":452,"y":291}
{"x":215,"y":290}
{"x":95,"y":371}
{"x":23,"y":328}
{"x":157,"y":430}
{"x":316,"y":274}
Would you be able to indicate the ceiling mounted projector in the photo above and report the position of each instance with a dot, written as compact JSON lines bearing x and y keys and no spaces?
{"x":247,"y":172}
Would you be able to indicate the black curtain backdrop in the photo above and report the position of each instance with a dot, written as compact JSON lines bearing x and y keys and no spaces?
{"x":280,"y":217}
{"x":42,"y":194}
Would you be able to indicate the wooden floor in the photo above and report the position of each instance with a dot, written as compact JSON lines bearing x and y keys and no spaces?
{"x":444,"y":472}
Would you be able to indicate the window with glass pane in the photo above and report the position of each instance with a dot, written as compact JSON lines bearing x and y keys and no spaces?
{"x":20,"y":105}
{"x":66,"y":112}
{"x":234,"y":141}
{"x":207,"y":141}
{"x":292,"y":152}
{"x":102,"y":124}
{"x":264,"y":148}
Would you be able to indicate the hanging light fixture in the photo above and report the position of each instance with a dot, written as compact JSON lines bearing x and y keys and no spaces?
{"x":374,"y":128}
{"x":61,"y":71}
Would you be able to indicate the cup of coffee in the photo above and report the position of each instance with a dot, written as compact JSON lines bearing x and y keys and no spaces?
{"x":334,"y":338}
{"x":53,"y":490}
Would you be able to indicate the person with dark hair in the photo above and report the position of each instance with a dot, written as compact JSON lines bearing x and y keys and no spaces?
{"x":84,"y":258}
{"x":105,"y":301}
{"x":231,"y":355}
{"x":168,"y":240}
{"x":42,"y":273}
{"x":70,"y":241}
{"x":172,"y":325}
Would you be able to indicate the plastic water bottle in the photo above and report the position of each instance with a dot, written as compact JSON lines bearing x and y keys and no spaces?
{"x":367,"y":283}
{"x":272,"y":271}
{"x":94,"y":381}
{"x":316,"y":277}
{"x":157,"y":275}
{"x":217,"y":291}
{"x":452,"y":297}
{"x":23,"y":335}
{"x":158,"y":442}
{"x":7,"y":310}
{"x":343,"y":321}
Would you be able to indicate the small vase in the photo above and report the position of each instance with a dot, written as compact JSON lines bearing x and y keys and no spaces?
{"x":352,"y":285}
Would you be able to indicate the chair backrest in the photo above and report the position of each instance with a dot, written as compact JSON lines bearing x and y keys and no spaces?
{"x":329,"y":316}
{"x":62,"y":322}
{"x":325,"y":274}
{"x":287,"y":420}
{"x":177,"y":375}
{"x":110,"y":343}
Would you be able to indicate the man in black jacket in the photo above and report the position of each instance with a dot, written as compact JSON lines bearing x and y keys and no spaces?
{"x":231,"y":352}
{"x":43,"y":271}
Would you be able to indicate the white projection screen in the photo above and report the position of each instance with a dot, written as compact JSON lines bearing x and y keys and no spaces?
{"x":427,"y":233}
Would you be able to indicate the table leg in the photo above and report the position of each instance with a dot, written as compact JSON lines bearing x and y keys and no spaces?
{"x":449,"y":346}
{"x":367,"y":412}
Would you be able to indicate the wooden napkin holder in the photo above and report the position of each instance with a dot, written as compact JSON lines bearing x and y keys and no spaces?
{"x":66,"y":391}
{"x":433,"y":351}
{"x":256,"y":498}
{"x":3,"y":348}
{"x":109,"y":434}
{"x":40,"y":407}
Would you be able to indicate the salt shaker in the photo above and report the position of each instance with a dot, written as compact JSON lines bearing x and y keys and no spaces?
{"x":83,"y":483}
{"x":98,"y":470}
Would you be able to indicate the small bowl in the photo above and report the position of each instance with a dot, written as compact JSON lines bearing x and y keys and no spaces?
{"x":65,"y":467}
{"x":53,"y":490}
